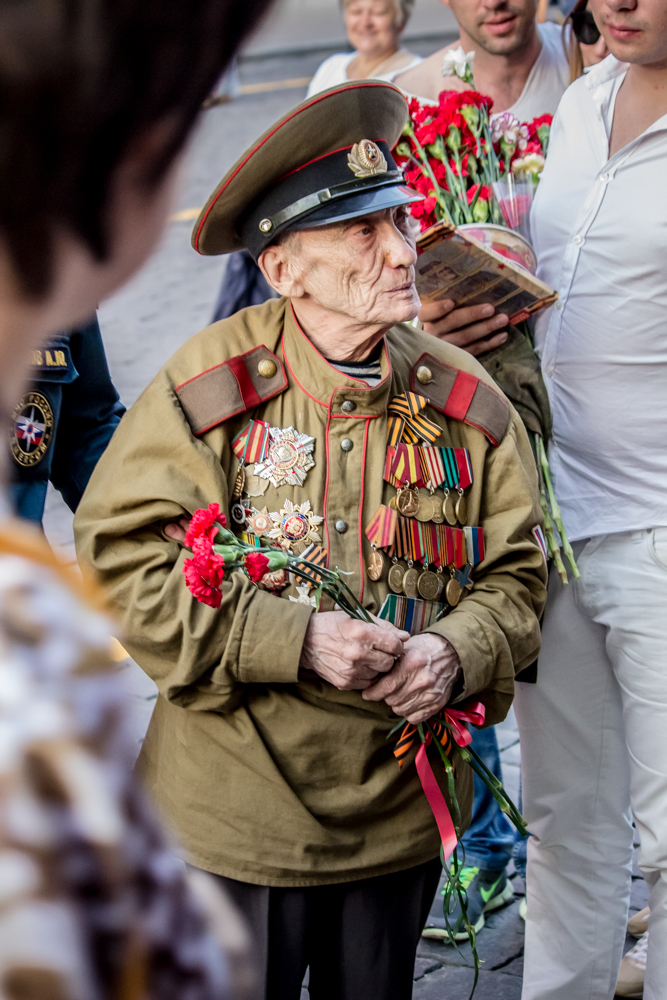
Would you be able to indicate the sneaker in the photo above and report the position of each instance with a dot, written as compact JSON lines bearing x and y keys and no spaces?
{"x":638,"y":923}
{"x":486,"y":891}
{"x":633,"y":969}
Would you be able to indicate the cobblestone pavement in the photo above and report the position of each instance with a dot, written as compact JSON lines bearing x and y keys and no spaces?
{"x":142,"y":326}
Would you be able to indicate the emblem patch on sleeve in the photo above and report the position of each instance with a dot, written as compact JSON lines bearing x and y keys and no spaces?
{"x":288,"y":458}
{"x":32,"y":429}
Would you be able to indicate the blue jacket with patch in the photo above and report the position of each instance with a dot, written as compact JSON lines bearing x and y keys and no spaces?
{"x":63,"y":423}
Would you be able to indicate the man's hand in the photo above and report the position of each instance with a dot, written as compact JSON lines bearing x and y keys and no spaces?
{"x":177,"y":529}
{"x":471,"y":327}
{"x":422,"y":681}
{"x":348,"y":653}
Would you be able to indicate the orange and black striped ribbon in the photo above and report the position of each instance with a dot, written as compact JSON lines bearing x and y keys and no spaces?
{"x":409,"y":735}
{"x":407,"y":423}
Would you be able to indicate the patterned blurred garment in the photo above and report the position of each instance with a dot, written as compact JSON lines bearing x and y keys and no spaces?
{"x":93,"y":903}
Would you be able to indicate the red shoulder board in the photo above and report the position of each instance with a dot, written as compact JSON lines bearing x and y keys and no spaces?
{"x":237,"y":385}
{"x":462,"y":396}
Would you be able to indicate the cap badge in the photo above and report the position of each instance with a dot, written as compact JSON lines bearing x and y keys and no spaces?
{"x":366,"y":159}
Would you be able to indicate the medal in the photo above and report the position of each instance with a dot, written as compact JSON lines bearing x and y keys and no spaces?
{"x":239,"y":483}
{"x":449,"y":509}
{"x":259,"y":521}
{"x":461,"y":507}
{"x":428,"y":586}
{"x":453,"y":591}
{"x":407,"y":502}
{"x":437,"y":517}
{"x":375,"y":567}
{"x":395,"y":577}
{"x":410,"y":582}
{"x":254,"y":486}
{"x":425,"y":507}
{"x":239,"y":512}
{"x":294,"y":523}
{"x":288,"y":457}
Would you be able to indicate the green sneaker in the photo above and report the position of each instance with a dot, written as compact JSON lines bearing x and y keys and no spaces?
{"x":486,"y":891}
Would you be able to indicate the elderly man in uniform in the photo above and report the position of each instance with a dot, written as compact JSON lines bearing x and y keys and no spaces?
{"x":269,"y":745}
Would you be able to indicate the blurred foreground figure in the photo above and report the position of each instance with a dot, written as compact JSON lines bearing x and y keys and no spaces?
{"x":96,"y":103}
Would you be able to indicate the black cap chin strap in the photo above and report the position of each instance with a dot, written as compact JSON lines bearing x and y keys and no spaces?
{"x":311,"y":201}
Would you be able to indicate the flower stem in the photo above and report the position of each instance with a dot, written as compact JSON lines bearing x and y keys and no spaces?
{"x":555,"y":509}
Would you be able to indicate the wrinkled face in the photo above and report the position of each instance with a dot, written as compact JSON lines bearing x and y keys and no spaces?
{"x":372,"y":26}
{"x":635,"y":30}
{"x":500,"y":27}
{"x":362,"y":269}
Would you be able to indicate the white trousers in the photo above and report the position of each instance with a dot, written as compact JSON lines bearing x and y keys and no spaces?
{"x":594,"y":753}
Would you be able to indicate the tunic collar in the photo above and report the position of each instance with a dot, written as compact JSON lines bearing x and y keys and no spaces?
{"x":324,"y":383}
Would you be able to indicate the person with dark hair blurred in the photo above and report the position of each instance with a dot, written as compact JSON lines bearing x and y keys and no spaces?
{"x":582,"y":41}
{"x":96,"y":104}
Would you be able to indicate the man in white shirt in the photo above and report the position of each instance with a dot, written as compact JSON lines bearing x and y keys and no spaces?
{"x":522,"y":65}
{"x":594,"y":727}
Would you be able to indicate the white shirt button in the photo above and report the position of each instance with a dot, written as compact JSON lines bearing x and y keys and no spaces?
{"x":559,"y":305}
{"x":550,"y":371}
{"x":604,"y":177}
{"x":578,"y":240}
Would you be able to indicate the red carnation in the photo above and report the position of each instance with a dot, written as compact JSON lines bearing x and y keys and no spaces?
{"x":199,"y":587}
{"x":203,"y":523}
{"x":257,"y":565}
{"x":209,"y":565}
{"x":484,"y":193}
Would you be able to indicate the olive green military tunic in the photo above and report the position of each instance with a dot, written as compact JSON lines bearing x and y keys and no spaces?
{"x":268,"y":778}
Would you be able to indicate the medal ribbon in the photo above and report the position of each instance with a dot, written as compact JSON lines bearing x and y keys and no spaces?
{"x":417,"y":541}
{"x":251,"y":444}
{"x":314,"y":553}
{"x":464,"y":467}
{"x":474,"y":544}
{"x":405,"y":465}
{"x":407,"y":422}
{"x":432,"y":466}
{"x":381,"y":530}
{"x":451,"y":467}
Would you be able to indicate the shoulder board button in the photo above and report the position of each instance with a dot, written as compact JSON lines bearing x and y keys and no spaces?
{"x":462,"y":396}
{"x":237,"y":385}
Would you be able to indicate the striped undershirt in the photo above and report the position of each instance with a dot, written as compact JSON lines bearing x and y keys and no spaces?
{"x":369,"y":371}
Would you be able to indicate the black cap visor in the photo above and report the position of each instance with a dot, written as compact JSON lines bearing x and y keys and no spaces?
{"x":362,"y":203}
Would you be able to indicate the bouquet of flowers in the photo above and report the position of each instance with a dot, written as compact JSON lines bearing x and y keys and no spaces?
{"x":216,"y":551}
{"x":464,"y":163}
{"x":473,"y":170}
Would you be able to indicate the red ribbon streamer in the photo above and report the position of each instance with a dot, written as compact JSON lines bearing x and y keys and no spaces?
{"x":458,"y":719}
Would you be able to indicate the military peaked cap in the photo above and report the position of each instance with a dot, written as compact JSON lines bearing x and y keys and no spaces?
{"x":329,"y":159}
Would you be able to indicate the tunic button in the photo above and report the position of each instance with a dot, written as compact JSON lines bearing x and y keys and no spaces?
{"x":267,"y":368}
{"x":424,"y":375}
{"x":341,"y":527}
{"x":349,"y":406}
{"x":347,"y":444}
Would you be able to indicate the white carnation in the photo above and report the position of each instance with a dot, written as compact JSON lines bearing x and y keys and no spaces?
{"x":457,"y":63}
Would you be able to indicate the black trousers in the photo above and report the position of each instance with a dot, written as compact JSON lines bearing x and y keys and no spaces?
{"x":359,"y":939}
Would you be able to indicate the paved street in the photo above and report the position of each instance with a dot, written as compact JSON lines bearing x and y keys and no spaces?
{"x":168,"y":302}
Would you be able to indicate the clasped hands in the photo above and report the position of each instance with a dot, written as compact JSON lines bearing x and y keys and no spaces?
{"x":414,"y":675}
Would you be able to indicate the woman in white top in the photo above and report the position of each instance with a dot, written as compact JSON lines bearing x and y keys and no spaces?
{"x":374,"y":28}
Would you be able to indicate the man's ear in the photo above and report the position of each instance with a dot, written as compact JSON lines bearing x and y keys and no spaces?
{"x":277,"y":266}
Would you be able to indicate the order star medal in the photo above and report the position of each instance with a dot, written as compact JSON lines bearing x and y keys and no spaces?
{"x":289,"y":457}
{"x":295,"y":523}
